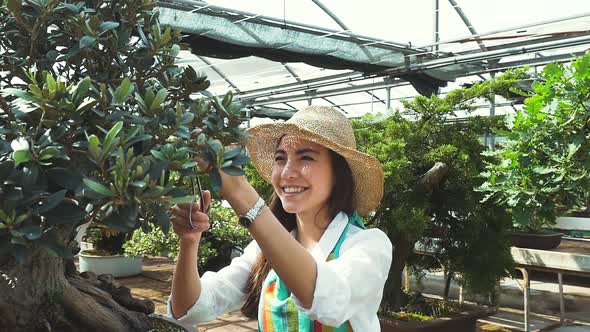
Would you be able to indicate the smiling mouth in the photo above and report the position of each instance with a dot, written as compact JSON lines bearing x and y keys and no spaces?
{"x":293,"y":190}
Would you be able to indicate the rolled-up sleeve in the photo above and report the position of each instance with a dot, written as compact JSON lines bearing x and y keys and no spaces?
{"x":221,"y":291}
{"x":354,"y":281}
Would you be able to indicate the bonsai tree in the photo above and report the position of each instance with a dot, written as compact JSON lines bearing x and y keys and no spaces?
{"x":542,"y":170}
{"x":97,"y":123}
{"x":431,"y":167}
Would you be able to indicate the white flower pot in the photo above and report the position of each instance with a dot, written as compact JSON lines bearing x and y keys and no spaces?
{"x":573,"y":223}
{"x":118,"y":266}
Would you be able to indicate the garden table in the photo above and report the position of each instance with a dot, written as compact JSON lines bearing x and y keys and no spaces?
{"x":571,"y":257}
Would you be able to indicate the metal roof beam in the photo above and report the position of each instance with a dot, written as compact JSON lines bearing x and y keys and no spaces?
{"x":467,"y":22}
{"x":327,"y":93}
{"x":220,"y":73}
{"x":509,"y":29}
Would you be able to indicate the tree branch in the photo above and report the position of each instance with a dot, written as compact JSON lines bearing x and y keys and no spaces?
{"x":433,"y":178}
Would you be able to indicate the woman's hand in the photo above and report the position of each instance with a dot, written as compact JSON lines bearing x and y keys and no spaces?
{"x":200,"y":220}
{"x":231,"y":185}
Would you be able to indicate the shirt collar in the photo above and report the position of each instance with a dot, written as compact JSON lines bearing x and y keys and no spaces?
{"x":328,"y":241}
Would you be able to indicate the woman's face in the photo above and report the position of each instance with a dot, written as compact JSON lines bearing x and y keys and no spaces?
{"x":302,"y":175}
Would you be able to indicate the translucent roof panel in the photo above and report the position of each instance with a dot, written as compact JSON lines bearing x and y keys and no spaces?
{"x":396,"y":37}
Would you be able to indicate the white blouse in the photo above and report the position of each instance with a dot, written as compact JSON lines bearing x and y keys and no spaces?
{"x":349,"y":288}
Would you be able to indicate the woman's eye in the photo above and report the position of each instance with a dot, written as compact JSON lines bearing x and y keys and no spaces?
{"x":279,"y":158}
{"x":307,"y":158}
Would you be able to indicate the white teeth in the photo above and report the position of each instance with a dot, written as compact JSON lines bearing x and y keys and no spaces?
{"x":293,"y":189}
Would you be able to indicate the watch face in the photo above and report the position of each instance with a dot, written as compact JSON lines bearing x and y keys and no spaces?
{"x":245,"y":221}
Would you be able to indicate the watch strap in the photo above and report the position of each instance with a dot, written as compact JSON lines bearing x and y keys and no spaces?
{"x":247,"y":218}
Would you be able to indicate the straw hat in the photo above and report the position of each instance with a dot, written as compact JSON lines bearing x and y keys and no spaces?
{"x":331,"y":129}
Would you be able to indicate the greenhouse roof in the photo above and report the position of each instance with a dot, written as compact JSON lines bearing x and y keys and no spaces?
{"x":277,"y":56}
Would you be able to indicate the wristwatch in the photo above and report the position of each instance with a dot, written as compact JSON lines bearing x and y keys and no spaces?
{"x":247,"y":218}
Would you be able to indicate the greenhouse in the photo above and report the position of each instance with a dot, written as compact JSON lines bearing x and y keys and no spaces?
{"x":302,"y":165}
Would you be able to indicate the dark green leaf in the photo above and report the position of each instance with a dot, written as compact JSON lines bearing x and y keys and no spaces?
{"x":162,"y":218}
{"x":231,"y":170}
{"x":187,"y":118}
{"x":31,"y":232}
{"x":123,"y":219}
{"x":71,"y":8}
{"x":158,"y":155}
{"x":98,"y":188}
{"x":65,"y":178}
{"x":4,"y":147}
{"x":215,"y":179}
{"x":6,"y":168}
{"x":232,"y":152}
{"x":87,"y":41}
{"x":14,"y":194}
{"x":52,"y":201}
{"x":108,"y":25}
{"x":183,"y":132}
{"x":81,"y":91}
{"x":136,"y":139}
{"x":49,"y":153}
{"x":216,"y":146}
{"x":240,"y":160}
{"x":138,"y":184}
{"x":20,"y":94}
{"x":189,"y":164}
{"x":65,"y":213}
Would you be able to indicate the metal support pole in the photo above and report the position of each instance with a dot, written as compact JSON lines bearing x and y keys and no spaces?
{"x":527,"y":292}
{"x":561,"y":303}
{"x":388,"y":98}
{"x":492,"y":113}
{"x":436,"y":38}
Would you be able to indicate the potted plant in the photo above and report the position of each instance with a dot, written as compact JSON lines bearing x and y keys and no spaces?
{"x":106,"y":255}
{"x":542,"y":170}
{"x":97,"y":124}
{"x":431,"y":168}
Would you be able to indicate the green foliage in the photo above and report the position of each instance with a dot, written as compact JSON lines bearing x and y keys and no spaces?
{"x":466,"y":236}
{"x":98,"y":123}
{"x":152,"y":242}
{"x":215,"y":247}
{"x":263,"y":188}
{"x":543,"y":169}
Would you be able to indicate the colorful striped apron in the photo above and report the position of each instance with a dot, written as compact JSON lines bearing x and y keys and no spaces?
{"x":277,"y":311}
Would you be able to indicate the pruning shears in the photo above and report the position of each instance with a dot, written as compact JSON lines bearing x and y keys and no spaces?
{"x":201,"y":201}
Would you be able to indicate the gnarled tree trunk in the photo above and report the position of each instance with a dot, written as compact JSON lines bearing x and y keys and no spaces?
{"x":38,"y":295}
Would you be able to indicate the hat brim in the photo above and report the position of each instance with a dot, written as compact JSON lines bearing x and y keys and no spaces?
{"x":366,"y":170}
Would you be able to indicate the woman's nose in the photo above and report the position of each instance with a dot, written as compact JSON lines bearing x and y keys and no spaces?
{"x":289,"y":170}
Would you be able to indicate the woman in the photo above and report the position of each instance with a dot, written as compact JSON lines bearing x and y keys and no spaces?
{"x":312,"y":266}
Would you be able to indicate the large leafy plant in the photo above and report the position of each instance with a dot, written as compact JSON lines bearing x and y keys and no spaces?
{"x":543,"y":168}
{"x":97,"y":124}
{"x":431,"y":167}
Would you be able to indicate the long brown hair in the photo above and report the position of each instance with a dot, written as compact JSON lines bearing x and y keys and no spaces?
{"x":340,"y":200}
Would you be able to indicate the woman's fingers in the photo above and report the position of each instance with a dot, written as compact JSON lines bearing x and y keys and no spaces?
{"x":182,"y":217}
